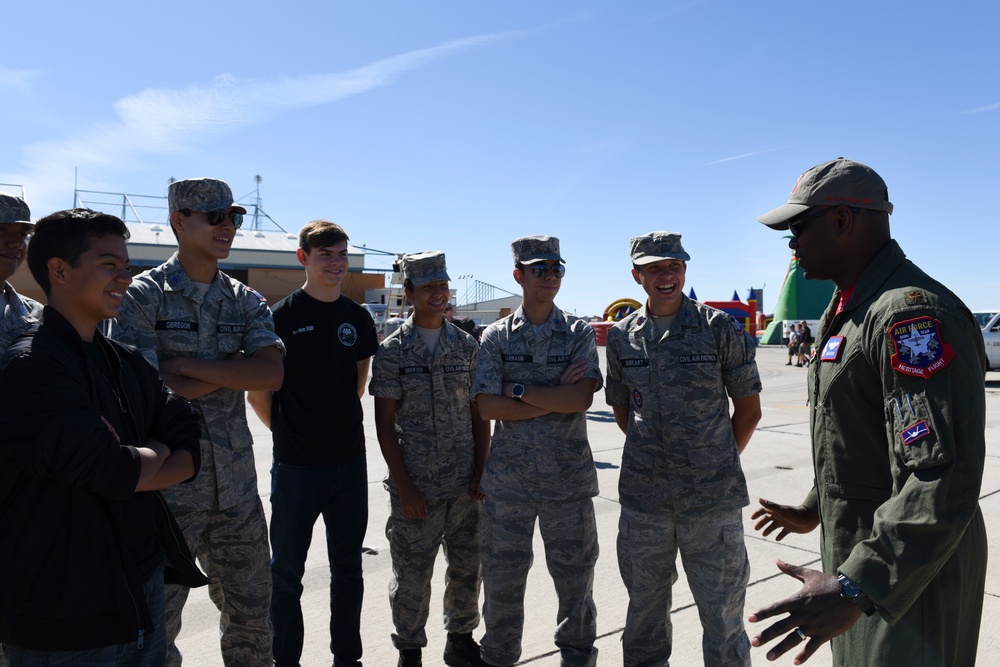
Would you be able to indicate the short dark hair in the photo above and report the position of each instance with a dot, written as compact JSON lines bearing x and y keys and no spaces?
{"x":321,"y":234}
{"x":66,"y":235}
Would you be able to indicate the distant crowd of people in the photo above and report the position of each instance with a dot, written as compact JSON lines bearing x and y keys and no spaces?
{"x":127,"y":474}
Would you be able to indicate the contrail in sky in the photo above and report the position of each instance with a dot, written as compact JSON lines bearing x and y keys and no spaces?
{"x":742,"y":155}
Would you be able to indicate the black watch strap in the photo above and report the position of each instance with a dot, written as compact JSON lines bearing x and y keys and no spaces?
{"x":852,"y":592}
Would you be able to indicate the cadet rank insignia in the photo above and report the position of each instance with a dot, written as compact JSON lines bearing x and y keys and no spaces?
{"x":920,"y":352}
{"x":736,"y":324}
{"x":916,"y":296}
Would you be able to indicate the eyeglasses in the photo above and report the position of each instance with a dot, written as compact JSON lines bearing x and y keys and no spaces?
{"x":216,"y":218}
{"x":539,"y":270}
{"x":796,"y":226}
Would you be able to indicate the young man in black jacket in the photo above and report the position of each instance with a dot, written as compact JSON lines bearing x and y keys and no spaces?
{"x":88,"y":433}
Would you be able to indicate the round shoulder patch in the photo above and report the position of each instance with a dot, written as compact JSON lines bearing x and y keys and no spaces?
{"x":347,"y":334}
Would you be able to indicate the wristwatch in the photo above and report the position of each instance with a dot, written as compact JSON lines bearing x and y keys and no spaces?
{"x":517,"y":391}
{"x":851,"y":592}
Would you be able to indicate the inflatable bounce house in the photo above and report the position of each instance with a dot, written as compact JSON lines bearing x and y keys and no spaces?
{"x":616,"y":311}
{"x":745,"y":313}
{"x":800,"y":299}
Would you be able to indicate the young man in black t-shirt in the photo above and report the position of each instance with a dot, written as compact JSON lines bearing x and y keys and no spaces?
{"x":319,"y":444}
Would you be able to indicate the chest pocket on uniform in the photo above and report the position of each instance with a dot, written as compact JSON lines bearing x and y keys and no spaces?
{"x":414,"y":378}
{"x":457,"y":376}
{"x":176,"y":337}
{"x":230,"y":338}
{"x":635,"y":372}
{"x":230,"y":329}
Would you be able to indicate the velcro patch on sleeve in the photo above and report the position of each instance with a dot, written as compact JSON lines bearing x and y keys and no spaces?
{"x":915,"y":432}
{"x":920,"y":351}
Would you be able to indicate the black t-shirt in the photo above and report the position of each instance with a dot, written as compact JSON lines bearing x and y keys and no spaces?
{"x":316,"y":416}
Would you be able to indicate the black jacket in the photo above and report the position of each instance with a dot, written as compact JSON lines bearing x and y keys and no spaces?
{"x":67,"y":577}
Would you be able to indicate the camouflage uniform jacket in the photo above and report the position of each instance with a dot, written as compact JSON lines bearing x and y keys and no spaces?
{"x":898,"y":415}
{"x":433,"y":422}
{"x":165,"y":316}
{"x":19,"y":315}
{"x":680,"y":453}
{"x":547,"y":458}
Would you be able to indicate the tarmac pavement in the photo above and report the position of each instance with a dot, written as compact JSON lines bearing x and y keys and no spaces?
{"x":778,"y":466}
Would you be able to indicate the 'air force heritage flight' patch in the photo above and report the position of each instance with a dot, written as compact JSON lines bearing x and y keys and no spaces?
{"x":920,"y":351}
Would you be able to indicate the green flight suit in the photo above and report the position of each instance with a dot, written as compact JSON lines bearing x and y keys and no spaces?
{"x":898,"y":415}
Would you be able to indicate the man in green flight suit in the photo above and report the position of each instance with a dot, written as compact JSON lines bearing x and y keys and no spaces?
{"x":897,"y":414}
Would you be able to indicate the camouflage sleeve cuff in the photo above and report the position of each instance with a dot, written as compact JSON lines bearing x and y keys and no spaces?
{"x":260,"y":339}
{"x":595,"y":373}
{"x":382,"y":388}
{"x":743,"y":381}
{"x":616,"y":394}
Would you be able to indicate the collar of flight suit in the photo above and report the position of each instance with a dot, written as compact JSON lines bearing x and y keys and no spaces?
{"x":874,"y":276}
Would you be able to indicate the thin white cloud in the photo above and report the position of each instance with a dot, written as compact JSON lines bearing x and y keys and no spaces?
{"x":160,"y":121}
{"x":18,"y":79}
{"x":988,"y":107}
{"x":742,"y":155}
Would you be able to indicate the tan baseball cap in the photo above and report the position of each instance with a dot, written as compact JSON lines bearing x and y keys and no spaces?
{"x":839,"y":181}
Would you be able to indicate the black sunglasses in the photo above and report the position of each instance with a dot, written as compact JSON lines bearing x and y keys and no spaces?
{"x":796,"y":226}
{"x":539,"y":270}
{"x":216,"y":218}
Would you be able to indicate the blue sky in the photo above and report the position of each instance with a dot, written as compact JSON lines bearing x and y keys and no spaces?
{"x":459,"y":126}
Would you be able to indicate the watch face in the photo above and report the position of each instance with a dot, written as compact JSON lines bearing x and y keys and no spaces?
{"x":517,"y":391}
{"x":850,"y":589}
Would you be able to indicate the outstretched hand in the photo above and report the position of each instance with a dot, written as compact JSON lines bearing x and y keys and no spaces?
{"x":817,"y":611}
{"x":789,"y":518}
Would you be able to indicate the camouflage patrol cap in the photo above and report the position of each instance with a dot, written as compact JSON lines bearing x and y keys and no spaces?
{"x":14,"y":210}
{"x":532,"y":249}
{"x":656,"y":246}
{"x":201,"y":194}
{"x":424,"y":267}
{"x":835,"y":182}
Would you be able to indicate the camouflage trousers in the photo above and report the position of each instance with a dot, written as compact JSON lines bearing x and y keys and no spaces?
{"x":569,"y":533}
{"x":718,"y":570}
{"x":231,"y":547}
{"x":453,"y":525}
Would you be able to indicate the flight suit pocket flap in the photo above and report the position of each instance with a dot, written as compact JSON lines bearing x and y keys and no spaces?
{"x":913,"y":430}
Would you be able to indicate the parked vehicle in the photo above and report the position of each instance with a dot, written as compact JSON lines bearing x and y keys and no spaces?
{"x":989,"y":320}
